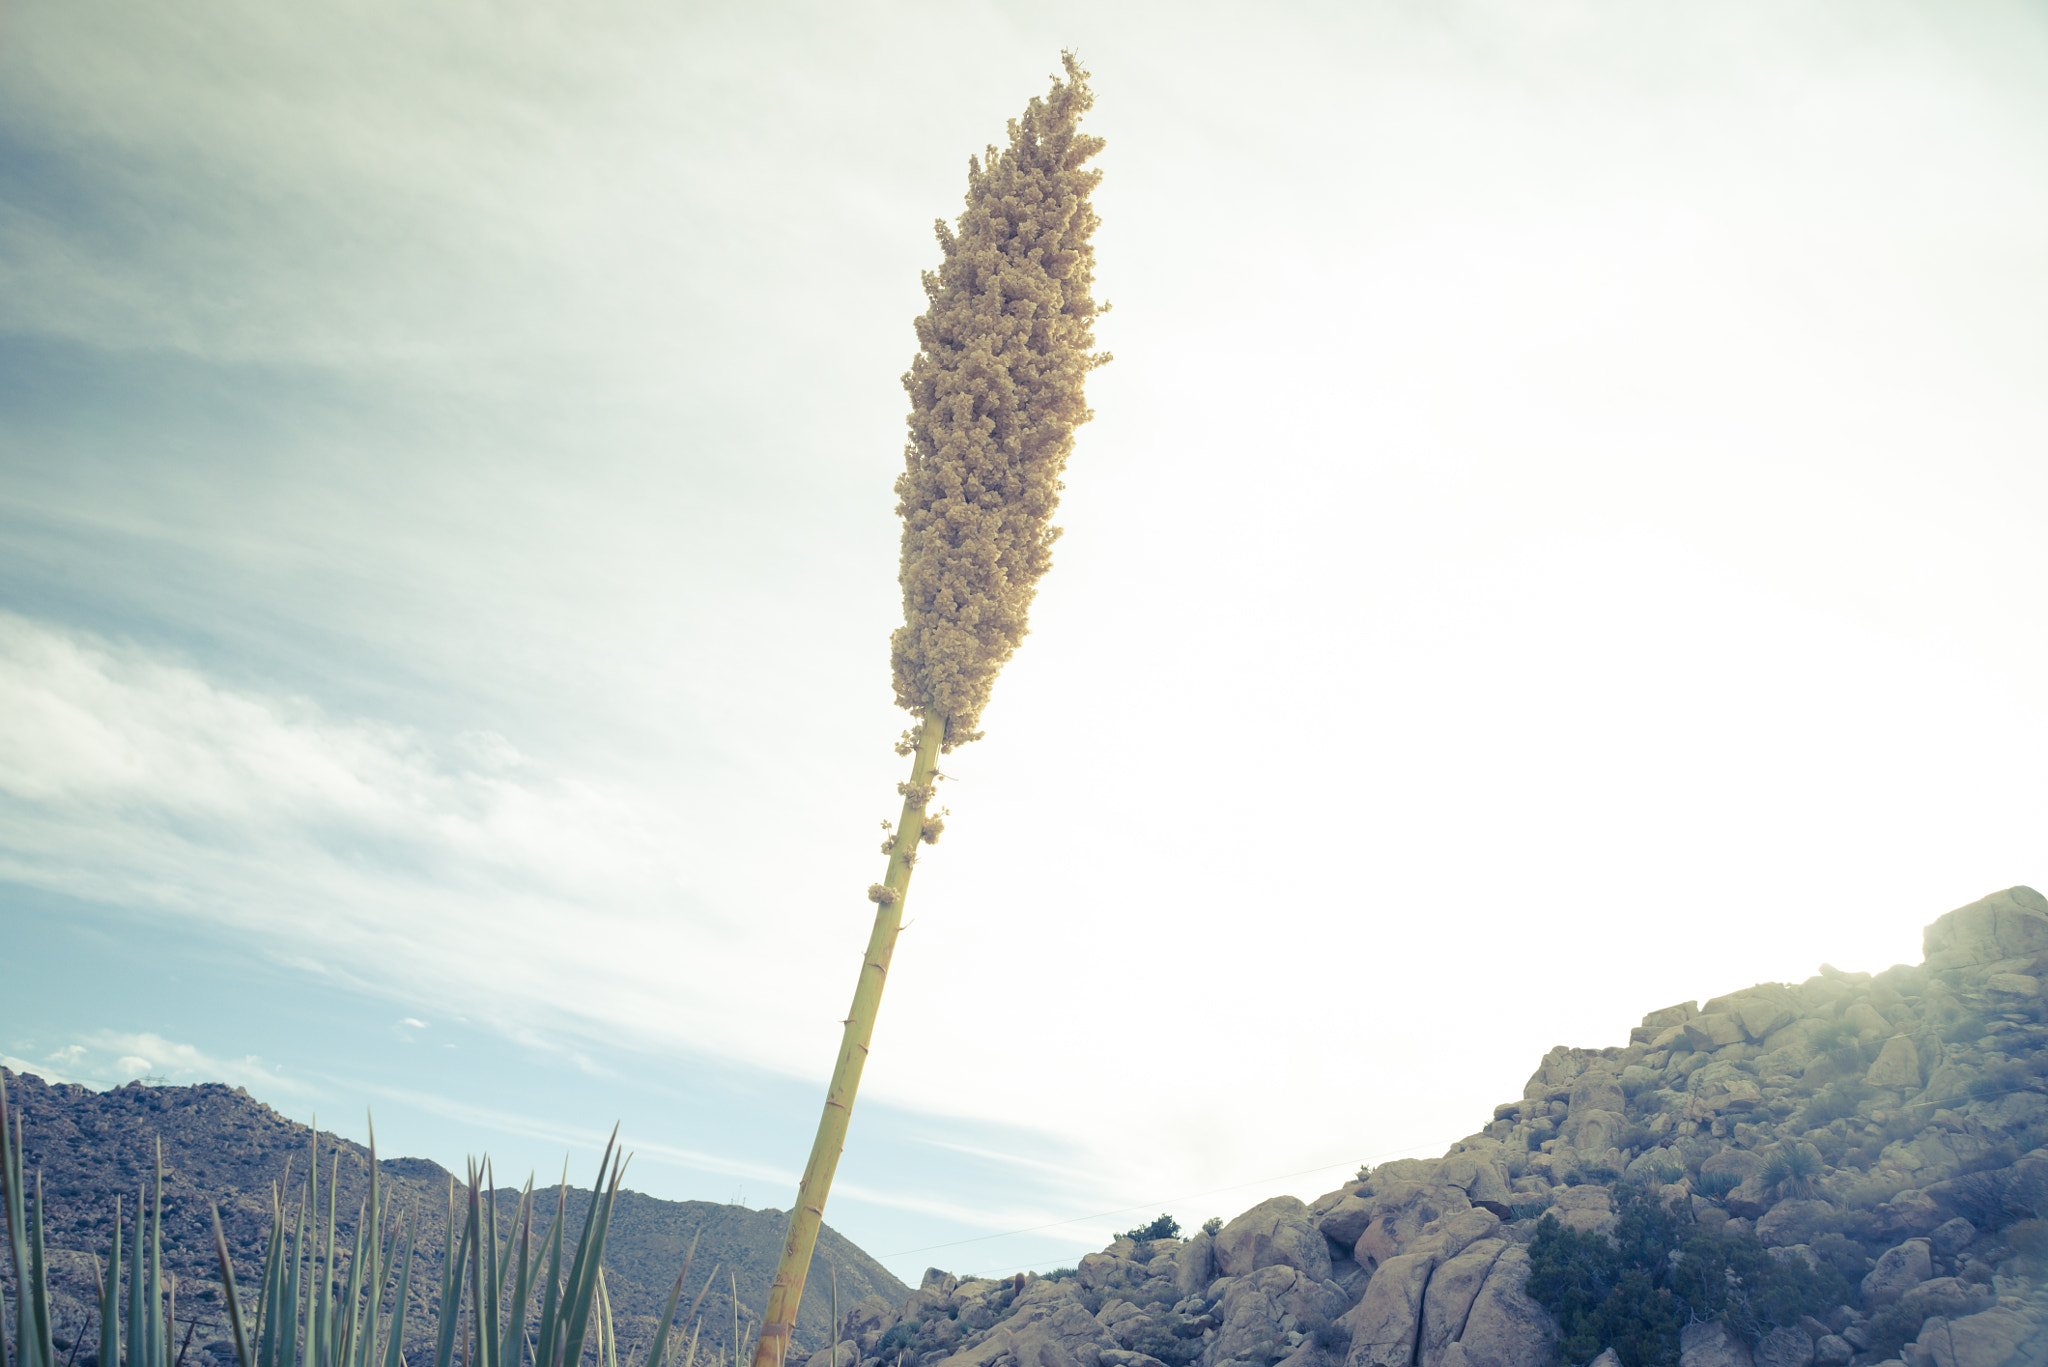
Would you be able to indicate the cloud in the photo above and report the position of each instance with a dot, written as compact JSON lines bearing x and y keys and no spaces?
{"x":142,"y":1054}
{"x":357,"y":851}
{"x":49,"y":1071}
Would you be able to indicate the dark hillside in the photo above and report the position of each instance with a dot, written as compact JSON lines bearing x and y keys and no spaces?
{"x":222,"y":1146}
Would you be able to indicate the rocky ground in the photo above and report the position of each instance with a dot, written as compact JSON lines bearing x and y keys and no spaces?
{"x":1890,"y":1127}
{"x":223,"y":1148}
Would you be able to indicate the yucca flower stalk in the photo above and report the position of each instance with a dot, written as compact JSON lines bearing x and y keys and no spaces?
{"x":996,"y":393}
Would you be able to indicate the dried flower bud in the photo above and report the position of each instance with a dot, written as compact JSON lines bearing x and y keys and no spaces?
{"x":881,"y":893}
{"x":996,"y":393}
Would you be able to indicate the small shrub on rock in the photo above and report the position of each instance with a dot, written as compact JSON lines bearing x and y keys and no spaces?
{"x":1892,"y":1328}
{"x":1165,"y":1227}
{"x":1715,"y":1185}
{"x":1164,"y":1339}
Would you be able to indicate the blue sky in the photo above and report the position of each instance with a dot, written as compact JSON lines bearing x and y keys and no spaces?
{"x":1560,"y":536}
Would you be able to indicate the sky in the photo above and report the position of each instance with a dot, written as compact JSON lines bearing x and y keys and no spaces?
{"x":1560,"y":536}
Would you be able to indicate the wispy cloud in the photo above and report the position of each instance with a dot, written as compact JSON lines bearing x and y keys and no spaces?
{"x":111,"y":1057}
{"x":360,"y":852}
{"x":49,"y":1070}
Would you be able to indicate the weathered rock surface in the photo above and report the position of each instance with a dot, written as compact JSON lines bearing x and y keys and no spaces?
{"x":1711,"y":1345}
{"x":1902,"y":1268}
{"x":1275,"y":1233}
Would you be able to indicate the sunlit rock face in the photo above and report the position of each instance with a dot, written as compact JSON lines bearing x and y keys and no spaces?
{"x":1887,"y":1128}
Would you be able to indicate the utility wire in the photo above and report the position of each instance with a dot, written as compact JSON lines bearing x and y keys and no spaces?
{"x":1145,"y":1205}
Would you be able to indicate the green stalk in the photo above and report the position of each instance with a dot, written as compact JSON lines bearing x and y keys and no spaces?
{"x":138,"y":1339}
{"x":779,"y":1322}
{"x":995,"y":395}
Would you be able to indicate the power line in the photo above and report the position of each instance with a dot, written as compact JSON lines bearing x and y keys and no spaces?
{"x":1145,"y":1205}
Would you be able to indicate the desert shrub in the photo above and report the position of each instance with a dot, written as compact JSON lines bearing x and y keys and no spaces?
{"x":1736,"y":1279}
{"x":1693,"y":1151}
{"x":2028,"y":1238}
{"x":1625,"y":1290}
{"x":2000,"y":1080}
{"x":1980,"y":1197}
{"x":1836,"y":1101}
{"x":1326,"y":1334}
{"x":1529,"y":1210}
{"x":2000,"y":1155}
{"x":898,"y":1338}
{"x":1715,"y":1185}
{"x":1213,"y":1226}
{"x":1892,"y":1328}
{"x":1593,"y":1174}
{"x":1162,"y":1339}
{"x":1165,"y":1227}
{"x":1843,"y":1254}
{"x":1963,"y":1027}
{"x":1792,"y":1169}
{"x":1831,"y":1146}
{"x":1060,"y":1274}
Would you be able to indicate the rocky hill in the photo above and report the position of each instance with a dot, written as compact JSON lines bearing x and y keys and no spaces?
{"x":222,"y":1147}
{"x":1836,"y":1173}
{"x":1844,"y":1172}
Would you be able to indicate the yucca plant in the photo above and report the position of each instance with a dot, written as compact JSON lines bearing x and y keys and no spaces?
{"x":308,"y":1326}
{"x":24,"y":1218}
{"x":305,"y":1315}
{"x":150,"y":1289}
{"x":996,"y":393}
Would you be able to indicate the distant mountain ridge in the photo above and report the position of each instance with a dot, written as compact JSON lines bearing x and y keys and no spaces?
{"x":222,"y":1146}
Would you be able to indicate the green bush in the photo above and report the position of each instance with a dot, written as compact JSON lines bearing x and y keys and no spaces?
{"x":898,"y":1338}
{"x":1165,"y":1227}
{"x":1162,"y":1339}
{"x":1836,"y":1101}
{"x":1792,"y":1169}
{"x":1627,"y":1292}
{"x":1213,"y":1226}
{"x":1892,"y":1328}
{"x":1326,"y":1334}
{"x":2001,"y":1080}
{"x":1843,"y":1254}
{"x":1715,"y":1185}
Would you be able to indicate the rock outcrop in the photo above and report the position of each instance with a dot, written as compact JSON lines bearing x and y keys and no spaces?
{"x":1891,"y":1126}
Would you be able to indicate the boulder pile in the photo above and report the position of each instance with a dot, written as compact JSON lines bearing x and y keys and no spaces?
{"x":1893,"y":1127}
